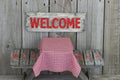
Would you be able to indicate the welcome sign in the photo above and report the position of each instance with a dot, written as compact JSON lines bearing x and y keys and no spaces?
{"x":55,"y":22}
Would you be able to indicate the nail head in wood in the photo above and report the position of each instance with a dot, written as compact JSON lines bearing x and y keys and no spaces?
{"x":7,"y":46}
{"x":16,"y":3}
{"x":55,"y":1}
{"x":26,"y":2}
{"x":44,"y":4}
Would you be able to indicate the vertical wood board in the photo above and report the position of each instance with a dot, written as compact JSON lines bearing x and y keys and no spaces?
{"x":10,"y":33}
{"x":97,"y":24}
{"x":81,"y":37}
{"x":31,"y":40}
{"x":112,"y":37}
{"x":97,"y":29}
{"x":92,"y":37}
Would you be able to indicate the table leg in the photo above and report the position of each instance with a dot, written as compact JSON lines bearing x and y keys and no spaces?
{"x":30,"y":77}
{"x":24,"y":75}
{"x":82,"y":76}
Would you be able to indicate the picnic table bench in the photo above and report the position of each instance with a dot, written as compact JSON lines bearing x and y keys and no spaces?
{"x":25,"y":59}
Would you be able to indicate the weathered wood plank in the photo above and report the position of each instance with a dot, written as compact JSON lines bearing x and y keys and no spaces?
{"x":63,"y":6}
{"x":107,"y":34}
{"x":89,"y":24}
{"x":50,"y":23}
{"x":10,"y":77}
{"x":10,"y":33}
{"x":97,"y":24}
{"x":112,"y":37}
{"x":97,"y":29}
{"x":92,"y":37}
{"x":31,"y":40}
{"x":93,"y":24}
{"x":81,"y":37}
{"x":107,"y":77}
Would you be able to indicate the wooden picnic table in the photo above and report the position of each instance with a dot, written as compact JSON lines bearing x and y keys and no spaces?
{"x":20,"y":63}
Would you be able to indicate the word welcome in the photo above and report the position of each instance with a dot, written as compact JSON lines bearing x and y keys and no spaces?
{"x":55,"y":23}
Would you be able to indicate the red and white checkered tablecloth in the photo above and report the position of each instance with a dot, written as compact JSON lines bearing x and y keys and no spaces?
{"x":56,"y":55}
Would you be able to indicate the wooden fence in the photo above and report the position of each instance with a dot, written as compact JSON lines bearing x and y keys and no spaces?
{"x":14,"y":35}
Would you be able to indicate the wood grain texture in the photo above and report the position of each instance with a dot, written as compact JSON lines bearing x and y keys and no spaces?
{"x":92,"y":37}
{"x":97,"y":29}
{"x":66,"y":6}
{"x":107,"y":77}
{"x":81,"y":37}
{"x":50,"y":18}
{"x":12,"y":36}
{"x":97,"y":24}
{"x":30,"y":39}
{"x":108,"y":19}
{"x":10,"y":77}
{"x":112,"y":37}
{"x":10,"y":33}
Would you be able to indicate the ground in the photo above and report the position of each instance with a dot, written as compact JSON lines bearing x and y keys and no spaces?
{"x":41,"y":77}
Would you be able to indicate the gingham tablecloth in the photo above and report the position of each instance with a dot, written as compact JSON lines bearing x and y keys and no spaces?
{"x":56,"y":55}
